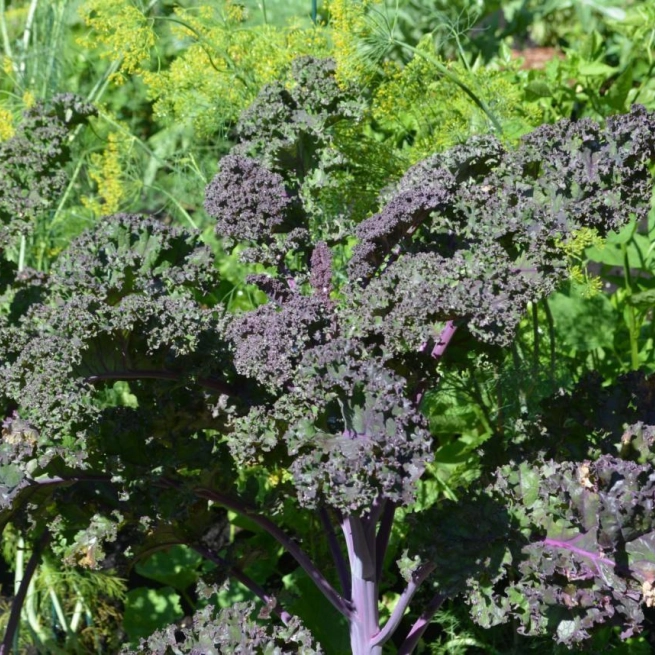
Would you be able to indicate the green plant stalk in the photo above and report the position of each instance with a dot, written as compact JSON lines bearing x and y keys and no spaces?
{"x":230,"y":61}
{"x":181,"y":209}
{"x":18,"y":578}
{"x":21,"y":253}
{"x":31,"y":614}
{"x":61,"y":617}
{"x":20,"y":564}
{"x":634,"y":327}
{"x":62,"y":201}
{"x":27,"y":35}
{"x":26,"y":581}
{"x":6,"y":43}
{"x":78,"y":611}
{"x":58,"y":11}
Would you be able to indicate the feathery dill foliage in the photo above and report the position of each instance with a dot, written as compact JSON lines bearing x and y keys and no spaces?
{"x":408,"y":103}
{"x":123,"y":29}
{"x":219,"y":63}
{"x":126,"y":370}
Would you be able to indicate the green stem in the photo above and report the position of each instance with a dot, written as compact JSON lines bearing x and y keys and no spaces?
{"x":69,"y":187}
{"x":175,"y":201}
{"x":61,"y":617}
{"x":455,"y":80}
{"x":535,"y":333}
{"x":551,"y":338}
{"x":21,"y":254}
{"x":6,"y":43}
{"x":230,"y":62}
{"x":55,"y":45}
{"x":633,"y":324}
{"x":78,"y":611}
{"x":27,"y":34}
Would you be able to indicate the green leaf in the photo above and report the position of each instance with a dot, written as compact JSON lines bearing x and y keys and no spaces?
{"x":147,"y":610}
{"x":642,"y":557}
{"x":618,"y":93}
{"x":537,"y":89}
{"x":328,"y":626}
{"x":594,"y":68}
{"x":10,"y":475}
{"x":176,"y":566}
{"x":642,"y":300}
{"x":584,"y":323}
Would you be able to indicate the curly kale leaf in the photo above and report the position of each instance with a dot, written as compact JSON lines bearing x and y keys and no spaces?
{"x":348,"y":428}
{"x":490,"y":224}
{"x":270,"y":340}
{"x":125,"y":302}
{"x":231,"y":630}
{"x":33,"y":162}
{"x":249,"y":202}
{"x":287,"y":128}
{"x":589,"y":560}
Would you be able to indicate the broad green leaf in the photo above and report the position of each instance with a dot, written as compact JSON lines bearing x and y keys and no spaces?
{"x":328,"y":626}
{"x":10,"y":475}
{"x":594,"y":68}
{"x":642,"y":557}
{"x":537,"y":89}
{"x":147,"y":610}
{"x":643,"y":300}
{"x":176,"y":566}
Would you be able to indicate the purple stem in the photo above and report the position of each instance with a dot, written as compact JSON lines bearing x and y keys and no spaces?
{"x":372,"y":518}
{"x":59,"y":481}
{"x":216,"y":385}
{"x":418,"y":577}
{"x":567,"y":545}
{"x":421,"y":625}
{"x":337,"y":555}
{"x":340,"y":604}
{"x":382,"y":539}
{"x":444,"y":338}
{"x":19,"y":599}
{"x":364,"y":620}
{"x":246,"y":581}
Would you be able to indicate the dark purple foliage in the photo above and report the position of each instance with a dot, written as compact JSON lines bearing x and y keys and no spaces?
{"x":33,"y":162}
{"x":231,"y":630}
{"x":248,"y":201}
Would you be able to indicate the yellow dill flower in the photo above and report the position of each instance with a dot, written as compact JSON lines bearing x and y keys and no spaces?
{"x":431,"y":112}
{"x":107,"y":172}
{"x":234,"y":12}
{"x":7,"y":65}
{"x":28,"y":99}
{"x":122,"y":29}
{"x":574,"y":248}
{"x":580,"y":240}
{"x":349,"y":30}
{"x":6,"y":124}
{"x":223,"y":69}
{"x":278,"y":477}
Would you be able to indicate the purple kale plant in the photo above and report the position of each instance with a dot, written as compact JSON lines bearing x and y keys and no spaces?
{"x":32,"y":162}
{"x":131,"y":378}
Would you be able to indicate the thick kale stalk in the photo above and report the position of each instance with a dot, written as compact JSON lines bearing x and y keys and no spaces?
{"x":126,"y":367}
